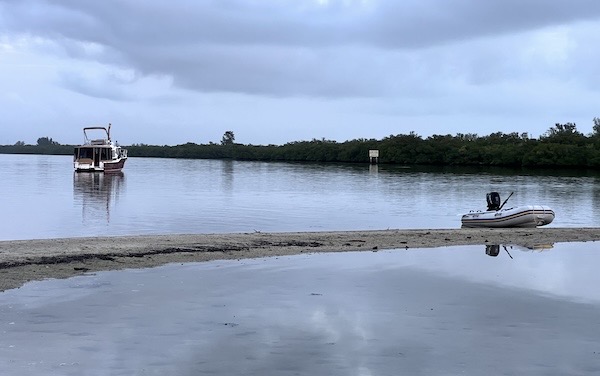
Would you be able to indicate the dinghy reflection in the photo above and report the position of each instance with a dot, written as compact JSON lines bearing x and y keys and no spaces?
{"x":97,"y":193}
{"x":493,"y":250}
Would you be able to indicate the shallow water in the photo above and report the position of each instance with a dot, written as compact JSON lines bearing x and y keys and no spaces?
{"x":456,"y":310}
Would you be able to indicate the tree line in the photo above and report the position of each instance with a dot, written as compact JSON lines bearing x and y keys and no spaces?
{"x":561,"y":146}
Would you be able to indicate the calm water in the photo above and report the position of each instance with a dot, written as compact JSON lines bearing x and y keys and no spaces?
{"x":459,"y":310}
{"x":45,"y":199}
{"x":445,"y":311}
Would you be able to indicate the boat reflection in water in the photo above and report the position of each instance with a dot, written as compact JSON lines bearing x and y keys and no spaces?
{"x":97,"y":193}
{"x":494,"y":249}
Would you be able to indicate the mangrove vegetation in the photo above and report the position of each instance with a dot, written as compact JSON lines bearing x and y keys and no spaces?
{"x":561,"y":146}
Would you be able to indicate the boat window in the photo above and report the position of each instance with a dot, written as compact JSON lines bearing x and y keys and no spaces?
{"x":84,"y":153}
{"x":105,"y":154}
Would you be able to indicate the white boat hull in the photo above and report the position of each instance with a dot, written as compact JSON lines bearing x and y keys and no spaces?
{"x":523,"y":216}
{"x":88,"y":165}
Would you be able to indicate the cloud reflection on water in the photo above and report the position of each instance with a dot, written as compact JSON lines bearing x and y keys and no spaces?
{"x":417,"y":311}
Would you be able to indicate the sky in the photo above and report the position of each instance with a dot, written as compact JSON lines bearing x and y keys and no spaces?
{"x":278,"y":71}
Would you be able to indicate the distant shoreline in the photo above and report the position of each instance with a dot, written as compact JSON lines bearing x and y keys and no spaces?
{"x":562,"y":146}
{"x":27,"y":260}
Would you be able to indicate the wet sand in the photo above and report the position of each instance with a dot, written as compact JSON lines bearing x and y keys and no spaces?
{"x":26,"y":260}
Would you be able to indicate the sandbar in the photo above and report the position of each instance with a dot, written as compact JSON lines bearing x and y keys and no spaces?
{"x":28,"y":260}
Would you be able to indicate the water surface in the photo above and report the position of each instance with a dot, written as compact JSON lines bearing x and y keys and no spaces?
{"x":443,"y":311}
{"x":44,"y":198}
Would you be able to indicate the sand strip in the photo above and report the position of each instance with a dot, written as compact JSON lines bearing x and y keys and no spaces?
{"x":27,"y":260}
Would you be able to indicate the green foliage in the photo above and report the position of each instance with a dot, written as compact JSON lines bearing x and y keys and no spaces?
{"x":45,"y":141}
{"x":228,"y":138}
{"x":596,"y":127}
{"x":53,"y":149}
{"x":564,"y":134}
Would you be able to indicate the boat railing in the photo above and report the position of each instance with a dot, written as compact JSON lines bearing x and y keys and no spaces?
{"x":98,"y":141}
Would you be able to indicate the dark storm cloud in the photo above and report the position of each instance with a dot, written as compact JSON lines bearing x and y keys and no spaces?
{"x":279,"y":48}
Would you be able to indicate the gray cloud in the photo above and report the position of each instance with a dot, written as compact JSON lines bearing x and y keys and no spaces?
{"x":304,"y":23}
{"x":290,"y":48}
{"x":432,"y":22}
{"x":95,"y":87}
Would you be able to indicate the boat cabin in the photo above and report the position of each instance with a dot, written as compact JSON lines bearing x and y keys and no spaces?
{"x":94,"y":155}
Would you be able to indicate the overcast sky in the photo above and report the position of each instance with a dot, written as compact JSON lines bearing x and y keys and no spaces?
{"x":275,"y":71}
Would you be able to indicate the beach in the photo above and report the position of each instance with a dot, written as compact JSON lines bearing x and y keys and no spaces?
{"x":28,"y":260}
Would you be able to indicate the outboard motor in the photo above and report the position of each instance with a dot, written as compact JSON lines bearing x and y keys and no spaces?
{"x":492,"y":250}
{"x":493,"y":201}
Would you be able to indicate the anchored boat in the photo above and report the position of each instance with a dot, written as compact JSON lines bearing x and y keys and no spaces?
{"x":496,"y":216}
{"x":99,"y":154}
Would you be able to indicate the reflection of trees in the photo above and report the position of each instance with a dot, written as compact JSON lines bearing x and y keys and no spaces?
{"x":596,"y":198}
{"x":227,"y":174}
{"x":96,"y":192}
{"x":494,"y":249}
